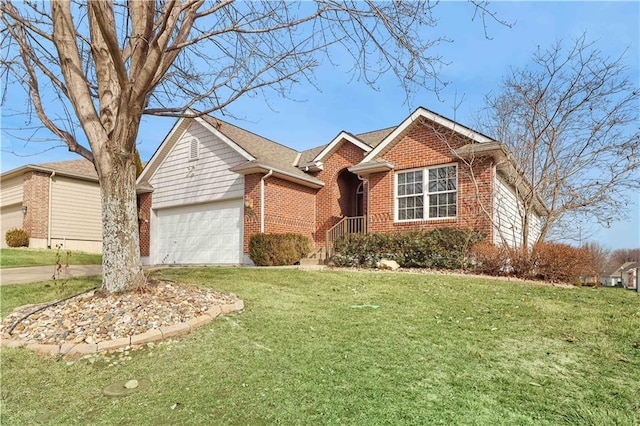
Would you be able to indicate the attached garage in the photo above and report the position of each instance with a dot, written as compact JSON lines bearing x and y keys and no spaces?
{"x":61,"y":204}
{"x":200,"y":234}
{"x":10,"y":217}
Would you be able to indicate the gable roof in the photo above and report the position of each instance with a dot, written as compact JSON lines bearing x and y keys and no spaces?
{"x":262,"y":154}
{"x":309,"y":154}
{"x":372,"y":139}
{"x":422,"y":113}
{"x":266,"y":156}
{"x":80,"y":169}
{"x":334,"y":143}
{"x":260,"y":148}
{"x":634,"y":265}
{"x":142,"y":182}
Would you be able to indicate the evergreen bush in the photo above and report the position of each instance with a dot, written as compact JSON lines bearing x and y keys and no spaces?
{"x":278,"y":249}
{"x":17,"y":237}
{"x":447,"y":248}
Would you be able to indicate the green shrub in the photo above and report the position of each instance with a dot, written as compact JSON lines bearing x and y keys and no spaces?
{"x":453,"y":246}
{"x":17,"y":237}
{"x":278,"y":249}
{"x":446,"y":248}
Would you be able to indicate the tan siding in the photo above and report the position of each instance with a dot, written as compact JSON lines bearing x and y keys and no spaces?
{"x":11,"y":191}
{"x":10,"y":217}
{"x":75,"y":210}
{"x":180,"y":181}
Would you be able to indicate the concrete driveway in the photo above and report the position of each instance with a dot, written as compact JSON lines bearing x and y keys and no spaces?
{"x":44,"y":273}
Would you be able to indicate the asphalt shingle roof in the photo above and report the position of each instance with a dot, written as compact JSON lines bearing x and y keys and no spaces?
{"x":80,"y":167}
{"x":266,"y":151}
{"x":374,"y":138}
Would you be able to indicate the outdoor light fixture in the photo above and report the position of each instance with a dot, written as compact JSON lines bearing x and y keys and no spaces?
{"x":24,"y":210}
{"x":248,"y":202}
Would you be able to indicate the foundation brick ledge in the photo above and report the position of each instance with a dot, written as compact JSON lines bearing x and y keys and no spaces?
{"x":78,"y":350}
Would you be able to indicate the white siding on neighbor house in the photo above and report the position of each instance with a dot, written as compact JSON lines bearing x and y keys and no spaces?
{"x":181,"y":181}
{"x":11,"y":191}
{"x":10,"y":217}
{"x":508,"y":217}
{"x":75,"y":210}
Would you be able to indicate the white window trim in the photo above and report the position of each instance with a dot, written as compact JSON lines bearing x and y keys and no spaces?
{"x":425,"y":194}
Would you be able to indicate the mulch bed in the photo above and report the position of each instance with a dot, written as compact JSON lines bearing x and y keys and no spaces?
{"x":94,"y":317}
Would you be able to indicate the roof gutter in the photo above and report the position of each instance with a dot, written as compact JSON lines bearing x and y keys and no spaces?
{"x":313,"y":166}
{"x":37,"y":168}
{"x":365,"y":169}
{"x":254,"y":167}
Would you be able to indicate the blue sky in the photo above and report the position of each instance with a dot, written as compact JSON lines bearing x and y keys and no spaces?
{"x":476,"y":66}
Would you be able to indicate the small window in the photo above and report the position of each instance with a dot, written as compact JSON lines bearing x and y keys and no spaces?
{"x":194,"y":149}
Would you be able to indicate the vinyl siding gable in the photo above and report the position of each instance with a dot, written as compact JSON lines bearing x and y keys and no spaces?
{"x":180,"y":180}
{"x":11,"y":192}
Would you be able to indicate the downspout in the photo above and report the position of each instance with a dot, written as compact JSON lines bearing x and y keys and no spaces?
{"x":366,"y":216}
{"x":262,"y":200}
{"x":49,"y":220}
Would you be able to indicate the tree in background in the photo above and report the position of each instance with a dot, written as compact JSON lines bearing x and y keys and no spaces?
{"x":99,"y":66}
{"x":620,"y":256}
{"x":570,"y":121}
{"x":599,"y":258}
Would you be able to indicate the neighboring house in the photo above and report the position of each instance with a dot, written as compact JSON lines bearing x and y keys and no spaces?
{"x":616,"y":277}
{"x":630,"y":275}
{"x":210,"y":186}
{"x":56,"y":203}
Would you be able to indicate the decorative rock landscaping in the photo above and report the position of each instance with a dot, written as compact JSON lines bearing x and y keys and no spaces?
{"x":95,"y":322}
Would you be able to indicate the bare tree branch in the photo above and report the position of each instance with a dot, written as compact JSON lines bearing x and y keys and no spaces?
{"x":111,"y":62}
{"x":571,"y":121}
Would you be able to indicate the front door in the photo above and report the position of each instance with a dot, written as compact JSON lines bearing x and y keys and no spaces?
{"x":359,"y":204}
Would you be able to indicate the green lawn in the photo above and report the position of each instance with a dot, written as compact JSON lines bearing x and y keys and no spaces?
{"x":18,"y":257}
{"x":356,"y":348}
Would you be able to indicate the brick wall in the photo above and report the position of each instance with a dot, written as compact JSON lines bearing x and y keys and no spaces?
{"x":144,"y":222}
{"x":251,"y":212}
{"x":36,"y":199}
{"x":294,"y":208}
{"x":328,"y":208}
{"x":423,"y":146}
{"x":289,"y":207}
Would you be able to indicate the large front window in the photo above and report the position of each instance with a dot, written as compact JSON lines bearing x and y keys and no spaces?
{"x":429,"y":193}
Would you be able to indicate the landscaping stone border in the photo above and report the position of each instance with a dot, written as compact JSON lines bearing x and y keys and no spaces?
{"x":72,"y":351}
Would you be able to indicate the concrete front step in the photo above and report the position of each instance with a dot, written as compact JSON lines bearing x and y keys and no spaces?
{"x":311,"y":262}
{"x":312,"y":267}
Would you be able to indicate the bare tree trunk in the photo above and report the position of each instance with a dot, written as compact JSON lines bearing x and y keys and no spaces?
{"x":105,"y":64}
{"x":121,"y":263}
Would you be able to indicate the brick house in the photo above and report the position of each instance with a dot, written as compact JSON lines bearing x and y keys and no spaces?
{"x":56,"y":203}
{"x":210,"y":186}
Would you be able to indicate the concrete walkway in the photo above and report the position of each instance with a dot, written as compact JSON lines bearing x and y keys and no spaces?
{"x":44,"y":273}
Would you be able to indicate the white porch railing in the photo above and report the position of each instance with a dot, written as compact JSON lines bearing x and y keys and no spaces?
{"x":346,"y":225}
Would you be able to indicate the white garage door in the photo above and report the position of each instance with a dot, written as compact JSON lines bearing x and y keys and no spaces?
{"x":203,"y":233}
{"x":10,"y":217}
